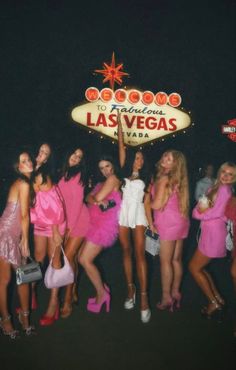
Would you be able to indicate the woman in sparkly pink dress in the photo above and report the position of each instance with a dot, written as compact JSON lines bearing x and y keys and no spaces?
{"x":171,"y":205}
{"x":104,"y":205}
{"x":212,"y":243}
{"x":72,"y":186}
{"x":14,"y":244}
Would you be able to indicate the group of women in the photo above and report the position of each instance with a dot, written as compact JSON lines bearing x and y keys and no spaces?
{"x":123,"y":203}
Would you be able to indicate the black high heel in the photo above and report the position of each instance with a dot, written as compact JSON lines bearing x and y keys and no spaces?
{"x":217,"y":313}
{"x":12,"y":334}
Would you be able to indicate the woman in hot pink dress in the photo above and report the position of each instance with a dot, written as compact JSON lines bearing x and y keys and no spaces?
{"x":170,"y":204}
{"x":72,"y":186}
{"x":14,"y":244}
{"x":104,"y":205}
{"x":212,"y":243}
{"x":47,"y":214}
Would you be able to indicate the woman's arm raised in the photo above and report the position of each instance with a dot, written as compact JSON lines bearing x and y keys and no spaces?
{"x":122,"y":150}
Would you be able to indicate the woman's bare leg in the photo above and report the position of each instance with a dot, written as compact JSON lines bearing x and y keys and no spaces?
{"x":86,"y":259}
{"x":124,"y":237}
{"x":40,"y":252}
{"x":177,"y":268}
{"x":167,"y":249}
{"x":71,"y":251}
{"x":5,"y":277}
{"x":141,"y":263}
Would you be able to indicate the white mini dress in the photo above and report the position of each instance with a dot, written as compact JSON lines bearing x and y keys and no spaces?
{"x":132,"y":212}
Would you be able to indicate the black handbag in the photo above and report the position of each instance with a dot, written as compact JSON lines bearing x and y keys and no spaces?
{"x":28,"y":272}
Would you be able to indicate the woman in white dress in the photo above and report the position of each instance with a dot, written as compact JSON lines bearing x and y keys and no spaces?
{"x":133,"y":222}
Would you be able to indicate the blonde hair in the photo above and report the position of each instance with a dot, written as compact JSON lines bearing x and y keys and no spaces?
{"x":177,"y":179}
{"x":214,"y":189}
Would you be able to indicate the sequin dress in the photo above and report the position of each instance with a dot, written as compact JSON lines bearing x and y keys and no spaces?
{"x":10,"y":233}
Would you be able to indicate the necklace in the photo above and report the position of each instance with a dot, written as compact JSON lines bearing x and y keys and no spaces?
{"x":135,"y":174}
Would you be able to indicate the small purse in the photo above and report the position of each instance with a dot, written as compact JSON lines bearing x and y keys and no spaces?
{"x":28,"y":272}
{"x":56,"y":278}
{"x":152,"y":242}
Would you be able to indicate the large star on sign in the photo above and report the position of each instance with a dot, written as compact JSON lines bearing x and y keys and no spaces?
{"x":112,"y":72}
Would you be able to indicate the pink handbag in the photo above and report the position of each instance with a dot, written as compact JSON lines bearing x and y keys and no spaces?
{"x":56,"y":278}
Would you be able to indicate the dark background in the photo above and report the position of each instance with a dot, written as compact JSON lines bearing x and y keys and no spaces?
{"x":49,"y":50}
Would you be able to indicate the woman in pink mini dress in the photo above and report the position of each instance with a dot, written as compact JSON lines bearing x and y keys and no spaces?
{"x":171,"y":205}
{"x":14,"y":244}
{"x":212,"y":243}
{"x":104,"y":205}
{"x":47,"y":214}
{"x":72,"y":186}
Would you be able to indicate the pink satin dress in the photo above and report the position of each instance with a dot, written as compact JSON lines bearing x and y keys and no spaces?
{"x":49,"y":210}
{"x":10,"y":234}
{"x":212,"y":241}
{"x":169,"y":222}
{"x":77,"y":213}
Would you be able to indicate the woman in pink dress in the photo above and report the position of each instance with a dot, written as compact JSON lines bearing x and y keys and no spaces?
{"x":212,"y":243}
{"x":72,"y":186}
{"x":14,"y":244}
{"x":171,"y":205}
{"x":104,"y":205}
{"x":48,"y":217}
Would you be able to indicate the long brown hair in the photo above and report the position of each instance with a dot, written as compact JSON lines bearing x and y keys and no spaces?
{"x":177,"y":179}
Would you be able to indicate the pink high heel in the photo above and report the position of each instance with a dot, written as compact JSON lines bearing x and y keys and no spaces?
{"x":177,"y":299}
{"x":169,"y":306}
{"x":93,"y":299}
{"x":96,"y":307}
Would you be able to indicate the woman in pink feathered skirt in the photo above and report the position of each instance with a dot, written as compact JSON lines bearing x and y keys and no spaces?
{"x":104,"y":204}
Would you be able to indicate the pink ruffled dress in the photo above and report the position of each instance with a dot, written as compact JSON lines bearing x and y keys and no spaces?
{"x":10,"y":234}
{"x":48,"y":211}
{"x":103,"y":230}
{"x":169,"y":222}
{"x":77,"y":214}
{"x":213,"y":225}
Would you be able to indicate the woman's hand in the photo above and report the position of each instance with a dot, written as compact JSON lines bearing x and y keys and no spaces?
{"x":24,"y":247}
{"x":153,"y":229}
{"x":67,"y":235}
{"x":56,"y":237}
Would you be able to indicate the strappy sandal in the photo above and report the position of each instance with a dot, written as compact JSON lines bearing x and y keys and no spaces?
{"x":12,"y":334}
{"x":30,"y":329}
{"x":66,"y":310}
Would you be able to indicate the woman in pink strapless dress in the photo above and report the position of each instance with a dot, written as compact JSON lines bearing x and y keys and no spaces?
{"x":47,"y":214}
{"x":14,"y":244}
{"x":212,"y":242}
{"x":104,"y":205}
{"x":72,"y":186}
{"x":170,"y":209}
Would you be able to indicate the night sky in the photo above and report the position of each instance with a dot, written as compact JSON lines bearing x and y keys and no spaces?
{"x":49,"y":50}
